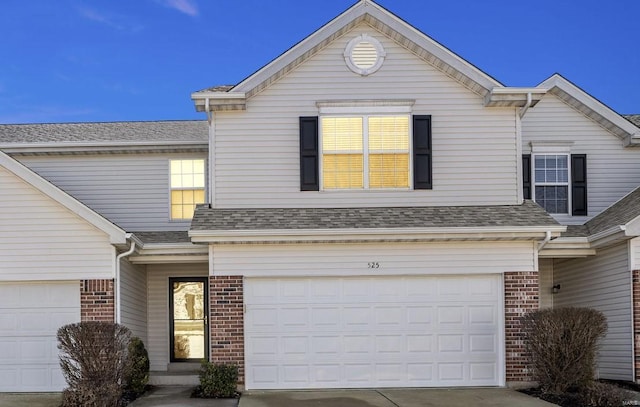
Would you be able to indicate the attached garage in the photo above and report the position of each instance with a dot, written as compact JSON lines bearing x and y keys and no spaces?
{"x":359,"y":332}
{"x":30,"y":315}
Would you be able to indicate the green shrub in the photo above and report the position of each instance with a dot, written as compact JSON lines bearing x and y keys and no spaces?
{"x":136,"y":375}
{"x":563,"y":344}
{"x":218,"y":380}
{"x":93,"y":359}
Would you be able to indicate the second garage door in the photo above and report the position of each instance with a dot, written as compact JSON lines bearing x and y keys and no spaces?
{"x":30,"y":315}
{"x":373,"y":332}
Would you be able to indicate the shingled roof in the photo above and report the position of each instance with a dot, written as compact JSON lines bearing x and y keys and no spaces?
{"x":525,"y":215}
{"x":620,"y":213}
{"x":633,"y":118}
{"x":110,"y":132}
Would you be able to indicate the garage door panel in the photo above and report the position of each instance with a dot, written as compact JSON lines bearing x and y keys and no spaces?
{"x":342,"y":336}
{"x":31,"y":314}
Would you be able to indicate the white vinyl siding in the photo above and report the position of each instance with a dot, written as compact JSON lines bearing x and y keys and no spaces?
{"x":634,"y":251}
{"x":133,"y":298}
{"x":257,"y":157}
{"x":355,"y":259}
{"x":130,"y":190}
{"x":612,"y":170}
{"x":42,"y":240}
{"x":30,"y":315}
{"x":545,"y":274}
{"x":604,"y":283}
{"x":158,"y":308}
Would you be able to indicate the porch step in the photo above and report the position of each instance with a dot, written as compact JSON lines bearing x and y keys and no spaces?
{"x":184,"y":367}
{"x":180,"y":378}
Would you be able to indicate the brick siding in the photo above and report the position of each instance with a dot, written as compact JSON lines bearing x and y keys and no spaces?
{"x":97,"y":301}
{"x":636,"y":323}
{"x":521,"y":295}
{"x":227,"y":321}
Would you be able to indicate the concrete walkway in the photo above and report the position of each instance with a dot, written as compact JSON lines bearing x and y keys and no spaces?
{"x":178,"y":396}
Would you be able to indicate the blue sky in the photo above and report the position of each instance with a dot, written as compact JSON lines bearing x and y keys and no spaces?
{"x":100,"y":60}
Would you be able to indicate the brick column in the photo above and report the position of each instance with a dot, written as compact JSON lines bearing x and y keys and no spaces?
{"x":521,"y":295}
{"x":97,"y":301}
{"x":636,"y":322}
{"x":226,"y":303}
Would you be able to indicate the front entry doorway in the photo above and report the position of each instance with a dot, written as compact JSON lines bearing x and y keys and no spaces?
{"x":188,"y":318}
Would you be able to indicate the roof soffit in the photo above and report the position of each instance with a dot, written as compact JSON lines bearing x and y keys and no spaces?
{"x":384,"y":22}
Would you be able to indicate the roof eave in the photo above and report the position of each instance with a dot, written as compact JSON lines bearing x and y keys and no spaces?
{"x":379,"y":234}
{"x":514,"y":97}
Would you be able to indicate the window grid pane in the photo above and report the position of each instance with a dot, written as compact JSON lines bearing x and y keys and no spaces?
{"x":551,"y":169}
{"x":343,"y":171}
{"x":389,"y":170}
{"x":554,"y":199}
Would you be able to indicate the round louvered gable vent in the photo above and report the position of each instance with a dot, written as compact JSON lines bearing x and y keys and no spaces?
{"x":364,"y":55}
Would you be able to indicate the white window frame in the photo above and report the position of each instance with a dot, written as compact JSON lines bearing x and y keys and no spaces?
{"x":171,"y":188}
{"x":365,"y":109}
{"x":551,"y":184}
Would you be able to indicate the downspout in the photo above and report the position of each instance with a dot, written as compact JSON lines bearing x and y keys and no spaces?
{"x":546,"y":240}
{"x":526,"y":107}
{"x":119,"y":257}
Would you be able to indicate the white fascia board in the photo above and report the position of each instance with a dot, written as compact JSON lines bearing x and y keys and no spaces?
{"x":557,"y":81}
{"x":116,"y":235}
{"x":172,"y":249}
{"x":504,"y":233}
{"x":230,"y":95}
{"x":63,"y":146}
{"x":358,"y":10}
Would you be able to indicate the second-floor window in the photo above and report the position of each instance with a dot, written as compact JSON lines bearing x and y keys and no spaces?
{"x":365,"y":152}
{"x":551,"y":182}
{"x":187,"y":187}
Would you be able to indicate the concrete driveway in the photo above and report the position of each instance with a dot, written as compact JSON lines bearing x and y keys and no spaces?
{"x":477,"y":397}
{"x":179,"y":397}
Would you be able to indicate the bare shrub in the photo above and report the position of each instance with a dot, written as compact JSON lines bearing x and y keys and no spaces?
{"x":599,"y":394}
{"x":93,"y":358}
{"x":563,"y":344}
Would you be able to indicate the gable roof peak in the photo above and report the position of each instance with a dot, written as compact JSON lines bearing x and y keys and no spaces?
{"x":363,"y":11}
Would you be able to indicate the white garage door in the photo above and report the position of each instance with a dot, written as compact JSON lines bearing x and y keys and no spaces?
{"x":373,"y":332}
{"x":30,"y":315}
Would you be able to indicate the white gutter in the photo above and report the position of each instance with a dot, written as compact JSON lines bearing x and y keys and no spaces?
{"x":116,"y":285}
{"x":546,"y":240}
{"x":523,"y":109}
{"x":389,"y":234}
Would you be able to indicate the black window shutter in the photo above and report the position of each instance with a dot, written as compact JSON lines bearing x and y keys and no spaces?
{"x":309,"y":177}
{"x":579,"y":184}
{"x":526,"y":175}
{"x":422,"y":154}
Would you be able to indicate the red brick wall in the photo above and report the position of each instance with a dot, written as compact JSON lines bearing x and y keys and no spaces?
{"x":97,"y":301}
{"x":226,"y":303}
{"x":521,"y":295}
{"x":636,"y":322}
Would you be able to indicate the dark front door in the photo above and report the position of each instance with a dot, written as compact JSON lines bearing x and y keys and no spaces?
{"x":188,"y":307}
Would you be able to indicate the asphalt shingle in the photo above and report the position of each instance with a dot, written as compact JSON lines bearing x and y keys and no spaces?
{"x":527,"y":214}
{"x":111,"y":132}
{"x":163,"y":237}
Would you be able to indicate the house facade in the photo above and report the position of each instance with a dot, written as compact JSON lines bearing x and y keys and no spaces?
{"x":367,"y":210}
